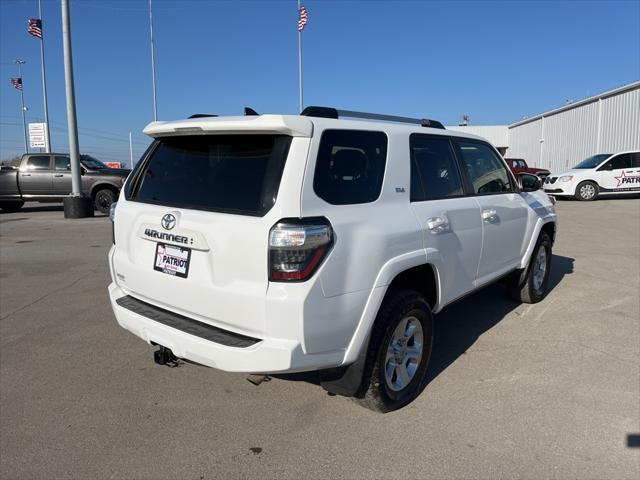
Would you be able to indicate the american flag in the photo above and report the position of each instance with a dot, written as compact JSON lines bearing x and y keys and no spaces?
{"x":35,"y":27}
{"x":17,"y":83}
{"x":303,"y":19}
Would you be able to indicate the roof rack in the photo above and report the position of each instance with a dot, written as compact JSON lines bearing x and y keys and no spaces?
{"x":202,"y":115}
{"x":330,"y":112}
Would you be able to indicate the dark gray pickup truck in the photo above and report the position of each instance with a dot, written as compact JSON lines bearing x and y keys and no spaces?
{"x":47,"y":178}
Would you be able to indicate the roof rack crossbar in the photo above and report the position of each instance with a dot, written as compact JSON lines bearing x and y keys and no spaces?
{"x":329,"y":112}
{"x":202,"y":115}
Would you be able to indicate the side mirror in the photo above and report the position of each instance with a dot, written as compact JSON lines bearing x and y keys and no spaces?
{"x":529,"y":183}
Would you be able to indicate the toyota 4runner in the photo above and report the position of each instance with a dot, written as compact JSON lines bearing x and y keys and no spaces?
{"x":321,"y":242}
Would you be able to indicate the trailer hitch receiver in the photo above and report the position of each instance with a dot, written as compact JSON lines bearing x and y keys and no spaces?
{"x":164,"y":356}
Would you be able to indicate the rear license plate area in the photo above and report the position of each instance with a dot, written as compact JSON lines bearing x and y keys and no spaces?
{"x":172,"y":260}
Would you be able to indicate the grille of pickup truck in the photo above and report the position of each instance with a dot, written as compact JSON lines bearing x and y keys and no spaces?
{"x":186,"y":324}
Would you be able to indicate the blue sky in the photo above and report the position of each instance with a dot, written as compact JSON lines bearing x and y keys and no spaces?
{"x":493,"y":60}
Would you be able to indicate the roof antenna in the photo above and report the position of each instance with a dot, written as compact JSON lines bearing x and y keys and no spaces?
{"x":250,"y":111}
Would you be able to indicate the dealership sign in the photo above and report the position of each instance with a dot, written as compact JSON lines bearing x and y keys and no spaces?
{"x":38,"y":135}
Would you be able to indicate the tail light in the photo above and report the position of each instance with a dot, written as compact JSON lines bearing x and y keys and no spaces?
{"x":297,"y":248}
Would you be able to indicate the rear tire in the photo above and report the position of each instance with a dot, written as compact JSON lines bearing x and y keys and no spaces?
{"x":587,"y":191}
{"x":398,"y":353}
{"x":531,"y":285}
{"x":103,"y":200}
{"x":11,"y":206}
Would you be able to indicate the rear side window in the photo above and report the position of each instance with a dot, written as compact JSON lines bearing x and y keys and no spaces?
{"x":62,"y":163}
{"x":486,"y":171}
{"x":38,"y":163}
{"x":350,"y":166}
{"x":227,"y":173}
{"x":433,"y":169}
{"x":620,"y":161}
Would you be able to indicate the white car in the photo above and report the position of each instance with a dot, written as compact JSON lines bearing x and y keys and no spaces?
{"x":276,"y":243}
{"x":602,"y":174}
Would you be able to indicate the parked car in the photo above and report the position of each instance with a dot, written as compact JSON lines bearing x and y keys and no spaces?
{"x":602,"y":174}
{"x":277,"y":243}
{"x":519,"y":165}
{"x":47,"y":178}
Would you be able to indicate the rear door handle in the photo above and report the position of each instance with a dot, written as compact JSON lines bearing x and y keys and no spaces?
{"x":438,"y":225}
{"x":26,"y":174}
{"x":58,"y":175}
{"x":489,"y":215}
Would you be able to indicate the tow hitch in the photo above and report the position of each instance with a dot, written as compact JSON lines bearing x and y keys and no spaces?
{"x":164,"y":356}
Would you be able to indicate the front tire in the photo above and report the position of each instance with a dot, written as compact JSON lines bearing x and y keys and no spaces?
{"x":587,"y":191}
{"x":399,"y":352}
{"x":532,"y":284}
{"x":103,"y":200}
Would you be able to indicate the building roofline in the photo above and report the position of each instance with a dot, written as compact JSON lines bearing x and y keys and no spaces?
{"x":579,"y":103}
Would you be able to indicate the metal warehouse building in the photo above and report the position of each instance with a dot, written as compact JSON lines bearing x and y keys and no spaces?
{"x":558,"y":139}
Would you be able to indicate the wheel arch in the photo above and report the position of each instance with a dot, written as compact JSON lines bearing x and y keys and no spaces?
{"x":404,"y":271}
{"x":102,"y":186}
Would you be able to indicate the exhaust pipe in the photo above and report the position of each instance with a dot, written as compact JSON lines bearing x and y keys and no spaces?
{"x":164,"y":356}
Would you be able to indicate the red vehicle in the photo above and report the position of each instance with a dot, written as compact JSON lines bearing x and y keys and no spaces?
{"x":518,"y":165}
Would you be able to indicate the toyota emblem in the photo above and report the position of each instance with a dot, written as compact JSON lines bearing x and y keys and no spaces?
{"x":168,"y":221}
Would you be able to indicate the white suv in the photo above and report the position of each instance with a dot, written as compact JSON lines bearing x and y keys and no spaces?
{"x":276,"y":243}
{"x":602,"y":174}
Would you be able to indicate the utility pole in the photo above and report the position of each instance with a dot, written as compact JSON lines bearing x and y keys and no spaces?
{"x":75,"y":206}
{"x":153,"y":65}
{"x":24,"y":109}
{"x":44,"y":82}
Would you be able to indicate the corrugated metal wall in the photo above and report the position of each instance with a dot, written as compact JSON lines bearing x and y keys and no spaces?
{"x":526,"y":143}
{"x":560,"y":139}
{"x":620,"y":122}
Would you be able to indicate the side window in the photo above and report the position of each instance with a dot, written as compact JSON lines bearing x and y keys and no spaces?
{"x":433,"y":169}
{"x":350,"y":166}
{"x":620,"y":161}
{"x":635,"y":159}
{"x":39,"y":162}
{"x":63,"y":164}
{"x":486,"y":172}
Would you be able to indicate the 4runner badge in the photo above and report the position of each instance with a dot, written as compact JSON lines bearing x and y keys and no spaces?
{"x":168,"y":221}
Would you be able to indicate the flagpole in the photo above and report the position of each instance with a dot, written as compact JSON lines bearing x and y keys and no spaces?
{"x":24,"y":119}
{"x":130,"y":152}
{"x":300,"y":62}
{"x":44,"y":80}
{"x":153,"y":65}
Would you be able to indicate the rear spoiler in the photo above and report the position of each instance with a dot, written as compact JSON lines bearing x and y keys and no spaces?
{"x":285,"y":124}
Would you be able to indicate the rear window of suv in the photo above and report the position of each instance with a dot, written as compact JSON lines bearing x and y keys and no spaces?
{"x":227,"y":173}
{"x":350,"y":166}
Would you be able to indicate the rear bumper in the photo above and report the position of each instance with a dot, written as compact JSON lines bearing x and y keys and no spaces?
{"x":266,"y":355}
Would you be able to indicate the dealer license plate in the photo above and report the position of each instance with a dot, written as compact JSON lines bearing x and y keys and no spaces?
{"x":172,"y":260}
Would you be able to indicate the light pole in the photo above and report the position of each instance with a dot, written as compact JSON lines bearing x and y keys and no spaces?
{"x":24,"y":109}
{"x":76,"y":205}
{"x":44,"y":84}
{"x":153,"y":65}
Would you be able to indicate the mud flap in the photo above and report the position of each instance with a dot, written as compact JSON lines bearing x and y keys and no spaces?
{"x":345,"y":381}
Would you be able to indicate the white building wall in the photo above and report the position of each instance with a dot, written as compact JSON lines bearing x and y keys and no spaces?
{"x":526,"y":143}
{"x":559,"y":139}
{"x":620,"y":122}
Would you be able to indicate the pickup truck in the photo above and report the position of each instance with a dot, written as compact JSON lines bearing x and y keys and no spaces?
{"x":47,"y":178}
{"x":518,"y":165}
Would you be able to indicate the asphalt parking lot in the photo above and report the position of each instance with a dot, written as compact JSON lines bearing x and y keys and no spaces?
{"x":530,"y":391}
